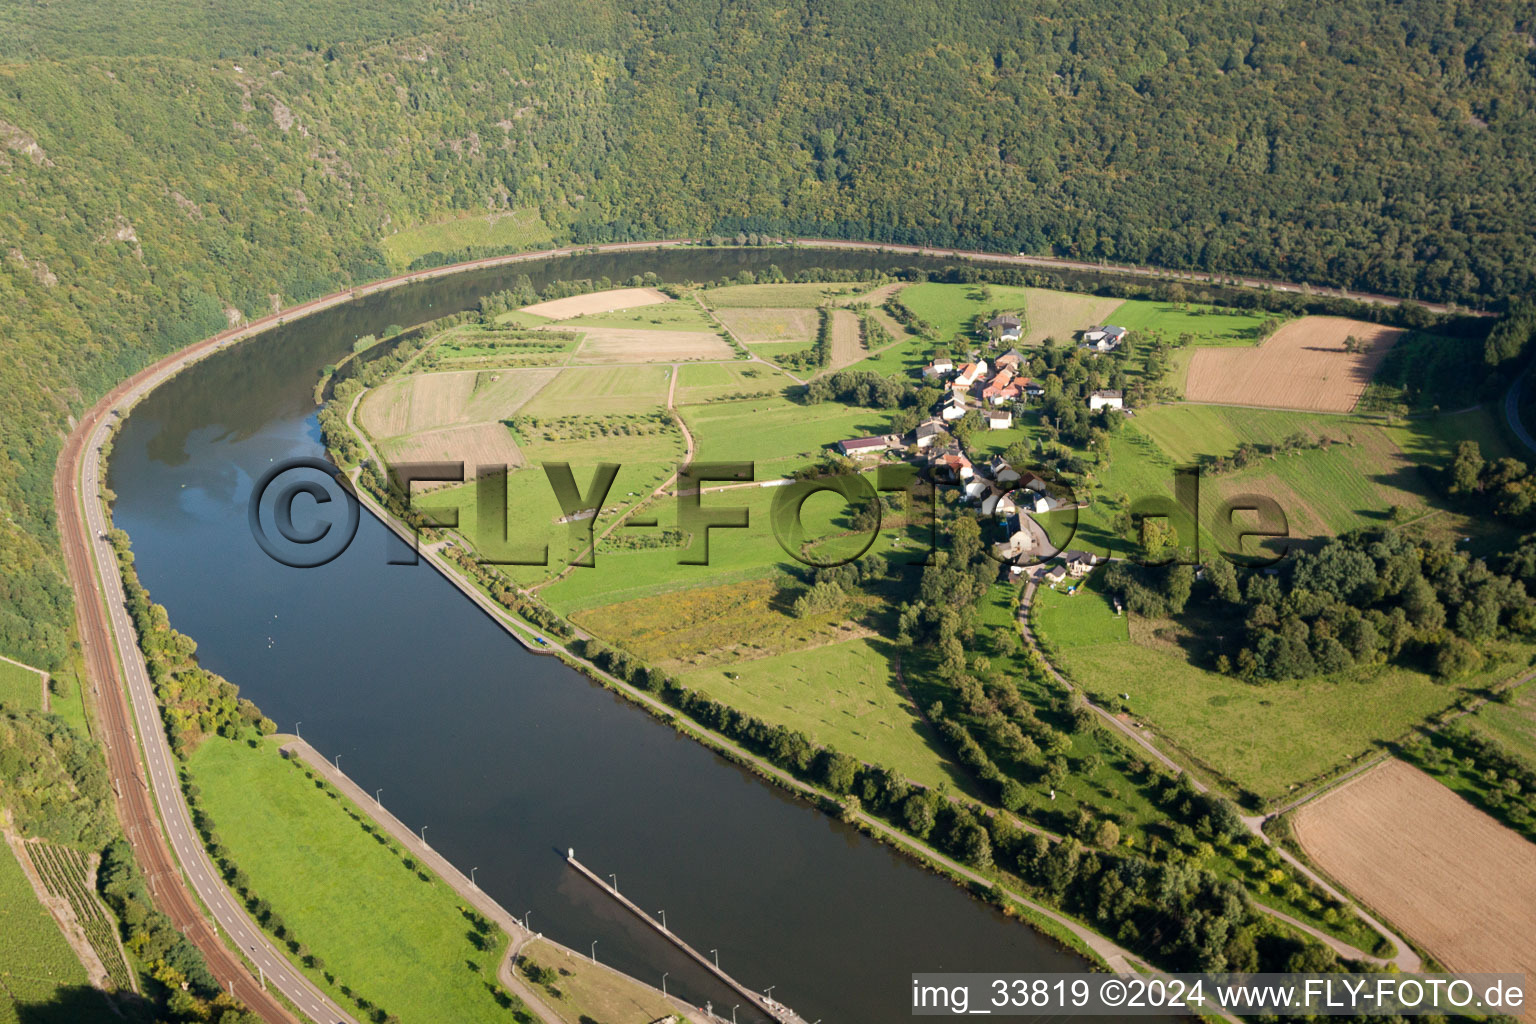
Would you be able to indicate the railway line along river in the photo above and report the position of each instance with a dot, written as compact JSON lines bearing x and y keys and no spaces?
{"x":507,"y":757}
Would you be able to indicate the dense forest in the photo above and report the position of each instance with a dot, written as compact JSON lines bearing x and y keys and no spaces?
{"x":171,"y":168}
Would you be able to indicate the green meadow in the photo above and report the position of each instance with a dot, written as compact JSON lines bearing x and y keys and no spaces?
{"x":36,"y":964}
{"x":517,"y":229}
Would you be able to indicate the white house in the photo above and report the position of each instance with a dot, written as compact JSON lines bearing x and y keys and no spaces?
{"x":970,"y":373}
{"x":866,"y":446}
{"x":976,"y":488}
{"x":954,"y":407}
{"x":1103,"y":339}
{"x":941,"y":366}
{"x":999,"y":419}
{"x":1001,"y":471}
{"x":1106,"y":400}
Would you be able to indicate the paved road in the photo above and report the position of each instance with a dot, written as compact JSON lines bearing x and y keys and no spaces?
{"x":1512,"y":407}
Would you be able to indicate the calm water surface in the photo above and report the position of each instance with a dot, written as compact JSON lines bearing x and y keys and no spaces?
{"x":509,"y":758}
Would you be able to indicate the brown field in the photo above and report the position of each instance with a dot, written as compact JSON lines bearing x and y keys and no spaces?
{"x":479,"y":444}
{"x":597,"y":302}
{"x":1060,"y":315}
{"x":1455,"y":880}
{"x":620,"y":345}
{"x":846,"y":344}
{"x":767,"y":324}
{"x":1303,"y":365}
{"x":431,"y":401}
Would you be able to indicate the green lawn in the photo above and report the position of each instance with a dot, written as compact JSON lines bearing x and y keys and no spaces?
{"x":1081,"y":618}
{"x":843,"y":695}
{"x":950,"y":308}
{"x":36,"y":964}
{"x":516,"y":229}
{"x":1207,"y":325}
{"x":20,"y":687}
{"x":776,"y":433}
{"x":598,"y":390}
{"x":665,"y":316}
{"x":907,"y":357}
{"x":401,"y":942}
{"x":701,"y":382}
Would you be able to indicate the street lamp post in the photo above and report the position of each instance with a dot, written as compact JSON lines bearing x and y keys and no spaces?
{"x":472,"y":875}
{"x":338,"y":762}
{"x":663,"y":914}
{"x":615,"y":880}
{"x":376,"y":799}
{"x":527,"y":916}
{"x":423,"y":835}
{"x":594,"y":951}
{"x":768,"y":992}
{"x":733,"y":1013}
{"x":716,"y":953}
{"x":296,"y":730}
{"x":664,"y":983}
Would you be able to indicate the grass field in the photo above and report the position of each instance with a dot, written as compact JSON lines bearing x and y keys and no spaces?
{"x":591,"y":992}
{"x":667,"y":316}
{"x":600,"y":390}
{"x":701,"y":382}
{"x":776,"y":351}
{"x":780,"y":295}
{"x":589,"y":303}
{"x":777,"y":434}
{"x":520,"y":229}
{"x":20,"y":687}
{"x":1079,"y":619}
{"x":845,"y":695}
{"x":1264,"y":738}
{"x":345,"y":895}
{"x":631,"y":345}
{"x":1512,"y":724}
{"x":1206,"y":325}
{"x":1047,"y":314}
{"x":760,"y":324}
{"x":35,"y":961}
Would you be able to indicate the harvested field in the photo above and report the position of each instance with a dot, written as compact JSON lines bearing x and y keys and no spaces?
{"x":780,"y":295}
{"x":617,"y":345}
{"x":768,"y":324}
{"x":847,"y":347}
{"x":1302,"y":366}
{"x":480,"y":444}
{"x":1455,"y":880}
{"x":431,"y":401}
{"x":597,"y":302}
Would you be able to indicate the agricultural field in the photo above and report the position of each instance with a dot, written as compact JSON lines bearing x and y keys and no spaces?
{"x":20,"y":686}
{"x":636,"y":345}
{"x":779,"y":296}
{"x":69,"y":877}
{"x":515,"y":229}
{"x":343,"y":894}
{"x":479,"y":444}
{"x":1303,"y":365}
{"x":597,"y":390}
{"x":1454,"y":879}
{"x":950,"y":308}
{"x":846,"y":695}
{"x":776,"y":434}
{"x":1265,"y":739}
{"x":686,"y":315}
{"x":429,"y":401}
{"x":710,"y":382}
{"x":766,"y":324}
{"x":711,"y":626}
{"x":597,"y":302}
{"x":1206,"y":326}
{"x":847,"y":342}
{"x":36,"y":964}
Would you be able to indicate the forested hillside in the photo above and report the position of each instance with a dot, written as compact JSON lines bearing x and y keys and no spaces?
{"x":168,"y":168}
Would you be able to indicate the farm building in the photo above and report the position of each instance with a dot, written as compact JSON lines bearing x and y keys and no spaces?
{"x":941,"y":366}
{"x":866,"y":446}
{"x":1032,"y":482}
{"x":927,"y":432}
{"x":954,"y":407}
{"x":1103,"y":339}
{"x":1006,"y":327}
{"x":1106,"y":400}
{"x":1000,"y":470}
{"x":1032,"y":389}
{"x":996,"y":386}
{"x":952,"y":466}
{"x":1010,"y":360}
{"x":999,"y":419}
{"x":970,"y":373}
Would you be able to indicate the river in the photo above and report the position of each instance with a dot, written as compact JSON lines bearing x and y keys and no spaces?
{"x":509,"y":758}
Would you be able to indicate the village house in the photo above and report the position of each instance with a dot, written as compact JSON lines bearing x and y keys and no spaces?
{"x":954,"y":406}
{"x":1021,"y":539}
{"x":1000,"y":470}
{"x":1006,"y":327}
{"x":952,"y":466}
{"x":1103,"y":339}
{"x":1055,"y":574}
{"x":1106,"y":400}
{"x":999,"y":419}
{"x":940,"y":367}
{"x":865,"y":447}
{"x":1033,"y":389}
{"x":970,"y":373}
{"x":999,"y":503}
{"x":927,"y":432}
{"x":996,"y":386}
{"x":1079,"y":563}
{"x":1010,"y":360}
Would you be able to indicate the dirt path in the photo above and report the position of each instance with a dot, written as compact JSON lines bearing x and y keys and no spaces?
{"x":1405,"y":960}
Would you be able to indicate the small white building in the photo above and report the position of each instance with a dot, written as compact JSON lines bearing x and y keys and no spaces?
{"x":1103,"y":339}
{"x":1006,"y":327}
{"x":942,"y":366}
{"x":1106,"y":400}
{"x":954,"y":407}
{"x":970,"y":373}
{"x":927,"y":432}
{"x":999,"y":419}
